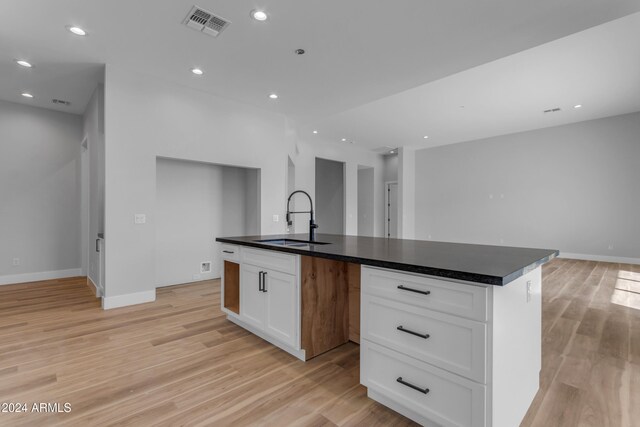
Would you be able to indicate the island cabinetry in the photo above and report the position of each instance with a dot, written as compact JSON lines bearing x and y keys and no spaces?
{"x":448,"y":353}
{"x":230,"y":289}
{"x":269,"y":294}
{"x":428,"y":292}
{"x":450,"y":334}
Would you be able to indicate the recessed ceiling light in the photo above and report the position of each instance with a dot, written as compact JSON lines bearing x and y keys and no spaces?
{"x":23,"y":63}
{"x":577,"y":106}
{"x":27,"y":95}
{"x":273,"y":96}
{"x":259,"y":15}
{"x":197,"y":71}
{"x":77,"y":31}
{"x":315,"y":131}
{"x":426,"y":137}
{"x":392,"y":151}
{"x":344,"y":139}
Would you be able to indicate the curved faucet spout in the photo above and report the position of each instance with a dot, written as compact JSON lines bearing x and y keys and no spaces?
{"x":312,"y":224}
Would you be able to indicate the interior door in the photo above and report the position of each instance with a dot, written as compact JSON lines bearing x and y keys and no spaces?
{"x":392,"y":210}
{"x":252,"y":305}
{"x":281,"y":295}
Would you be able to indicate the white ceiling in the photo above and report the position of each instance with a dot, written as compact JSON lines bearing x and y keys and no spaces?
{"x":358,"y":51}
{"x":49,"y":79}
{"x":598,"y":68}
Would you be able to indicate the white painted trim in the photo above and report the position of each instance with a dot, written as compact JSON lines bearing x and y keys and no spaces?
{"x":97,"y":290}
{"x":203,"y":278}
{"x":601,"y":258}
{"x":128,"y":299}
{"x":36,"y":277}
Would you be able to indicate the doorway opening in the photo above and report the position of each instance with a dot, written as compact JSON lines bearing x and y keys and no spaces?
{"x":329,"y":202}
{"x":391,"y":211}
{"x":195,"y":203}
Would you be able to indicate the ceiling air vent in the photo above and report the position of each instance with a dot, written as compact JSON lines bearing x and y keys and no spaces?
{"x":206,"y":22}
{"x":61,"y":102}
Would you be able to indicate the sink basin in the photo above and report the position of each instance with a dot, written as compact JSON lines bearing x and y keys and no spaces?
{"x":290,"y":242}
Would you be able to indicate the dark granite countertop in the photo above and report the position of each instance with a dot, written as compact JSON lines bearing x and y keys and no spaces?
{"x":492,"y":265}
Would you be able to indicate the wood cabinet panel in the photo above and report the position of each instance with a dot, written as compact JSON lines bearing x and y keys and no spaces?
{"x":324,"y":305}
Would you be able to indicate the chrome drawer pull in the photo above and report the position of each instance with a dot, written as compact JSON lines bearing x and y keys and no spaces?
{"x":425,"y":336}
{"x":415,"y":387}
{"x":418,"y":291}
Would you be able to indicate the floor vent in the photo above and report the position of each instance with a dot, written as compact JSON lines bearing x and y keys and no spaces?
{"x":205,"y":267}
{"x":205,"y":21}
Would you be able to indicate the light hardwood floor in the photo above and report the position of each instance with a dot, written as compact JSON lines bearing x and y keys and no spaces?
{"x":177,"y":361}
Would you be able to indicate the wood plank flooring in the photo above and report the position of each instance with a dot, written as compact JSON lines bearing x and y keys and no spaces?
{"x":590,"y":346}
{"x":177,"y":361}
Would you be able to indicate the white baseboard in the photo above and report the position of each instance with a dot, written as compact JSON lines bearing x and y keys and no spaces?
{"x":601,"y":258}
{"x":98,"y":289}
{"x":128,"y":299}
{"x":36,"y":277}
{"x":203,"y":277}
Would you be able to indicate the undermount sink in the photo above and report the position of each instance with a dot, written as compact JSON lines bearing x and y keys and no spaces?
{"x":290,"y":242}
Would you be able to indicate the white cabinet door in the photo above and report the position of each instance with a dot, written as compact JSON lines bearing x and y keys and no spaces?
{"x":252,"y":305}
{"x":281,"y":295}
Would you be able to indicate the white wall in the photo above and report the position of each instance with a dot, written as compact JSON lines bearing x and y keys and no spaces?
{"x":406,"y":192}
{"x":146,"y":117}
{"x":366,"y":192}
{"x":307,"y":149}
{"x":390,"y":167}
{"x":252,"y":202}
{"x":572,"y":188}
{"x":195,"y":203}
{"x":329,"y":200}
{"x":39,"y":193}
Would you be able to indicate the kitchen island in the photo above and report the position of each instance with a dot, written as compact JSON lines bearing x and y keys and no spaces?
{"x":450,"y":333}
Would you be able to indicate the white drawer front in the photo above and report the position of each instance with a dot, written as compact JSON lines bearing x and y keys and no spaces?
{"x":452,"y":343}
{"x":230,"y":252}
{"x":448,"y":297}
{"x":451,"y":400}
{"x":270,"y":259}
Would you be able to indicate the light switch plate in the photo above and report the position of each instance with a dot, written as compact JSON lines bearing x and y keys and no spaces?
{"x":140,"y":218}
{"x":276,"y":218}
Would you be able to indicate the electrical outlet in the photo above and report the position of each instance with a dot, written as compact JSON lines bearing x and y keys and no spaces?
{"x":611,"y":247}
{"x":16,"y":262}
{"x":140,"y":219}
{"x":529,"y":290}
{"x":196,"y":277}
{"x":276,"y":218}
